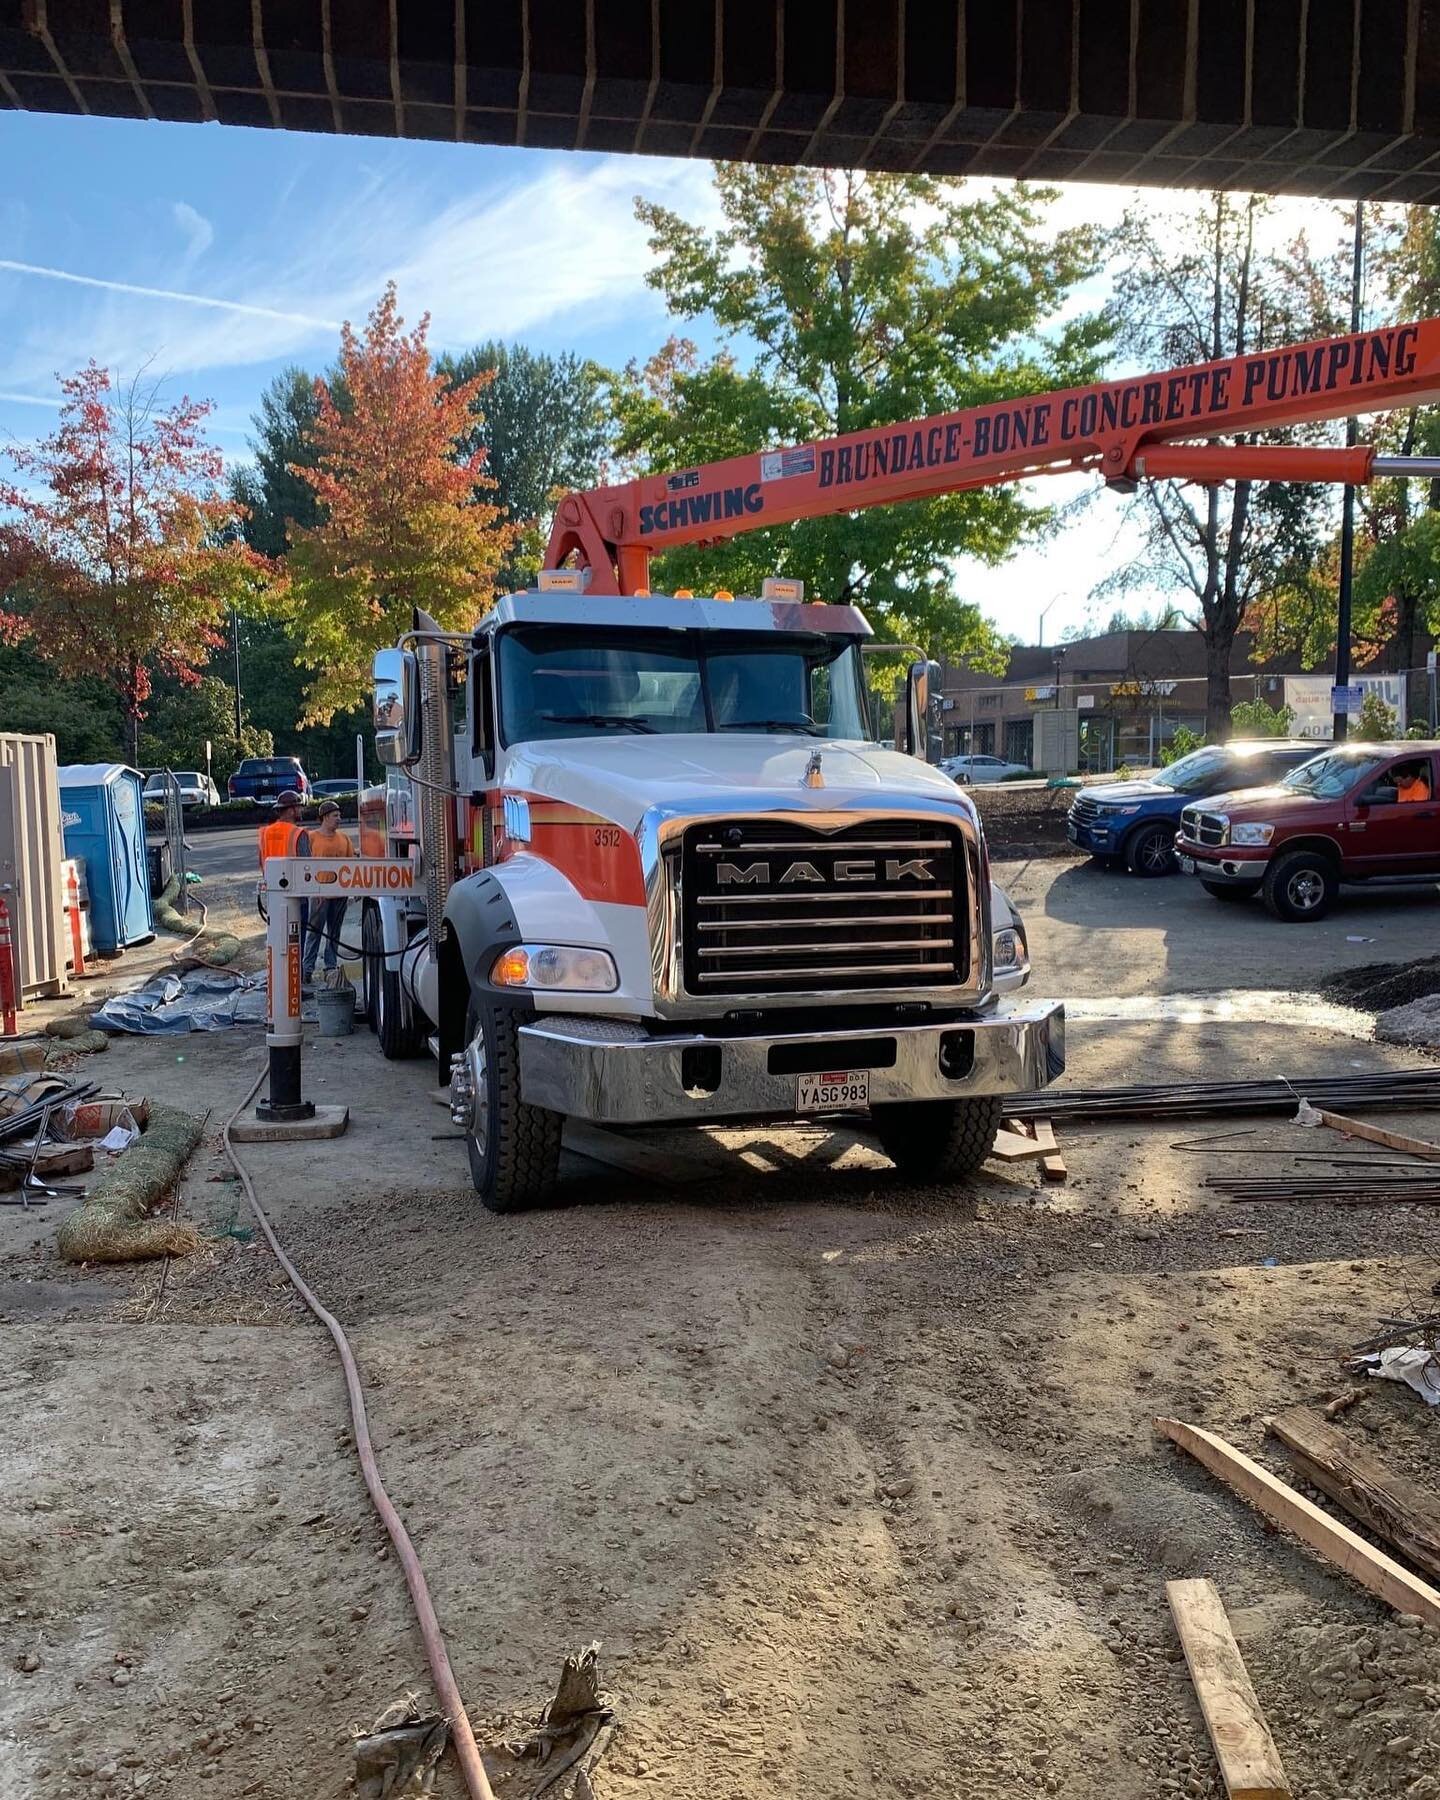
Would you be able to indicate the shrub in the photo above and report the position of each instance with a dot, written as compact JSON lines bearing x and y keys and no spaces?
{"x":1257,"y":718}
{"x":1377,"y":720}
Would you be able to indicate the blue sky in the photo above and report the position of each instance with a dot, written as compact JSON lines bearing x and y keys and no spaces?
{"x":218,"y":255}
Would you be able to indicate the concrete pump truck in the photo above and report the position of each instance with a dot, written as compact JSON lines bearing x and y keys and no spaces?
{"x":668,"y":875}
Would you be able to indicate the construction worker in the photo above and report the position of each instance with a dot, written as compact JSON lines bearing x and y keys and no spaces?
{"x":284,"y":836}
{"x":1412,"y":781}
{"x":326,"y":916}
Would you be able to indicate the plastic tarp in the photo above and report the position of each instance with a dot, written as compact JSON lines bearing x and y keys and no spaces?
{"x":200,"y":1000}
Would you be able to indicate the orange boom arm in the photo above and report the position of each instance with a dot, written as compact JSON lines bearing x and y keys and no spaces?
{"x":1127,"y":430}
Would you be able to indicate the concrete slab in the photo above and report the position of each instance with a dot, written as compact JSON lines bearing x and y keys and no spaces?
{"x":329,"y":1122}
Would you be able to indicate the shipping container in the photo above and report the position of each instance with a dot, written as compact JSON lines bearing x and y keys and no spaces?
{"x":31,"y":852}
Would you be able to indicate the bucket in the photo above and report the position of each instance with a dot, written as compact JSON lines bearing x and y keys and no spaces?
{"x":336,"y":1007}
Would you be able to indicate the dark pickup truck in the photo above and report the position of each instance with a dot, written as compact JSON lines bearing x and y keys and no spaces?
{"x":1357,"y":812}
{"x":261,"y":778}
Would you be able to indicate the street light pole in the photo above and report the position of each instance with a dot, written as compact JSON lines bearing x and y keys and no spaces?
{"x":235,"y":628}
{"x":1341,"y":723}
{"x":1040,"y":640}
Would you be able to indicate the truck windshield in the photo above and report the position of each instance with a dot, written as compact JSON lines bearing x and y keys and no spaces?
{"x":561,"y":682}
{"x":1329,"y":776}
{"x":1192,"y":774}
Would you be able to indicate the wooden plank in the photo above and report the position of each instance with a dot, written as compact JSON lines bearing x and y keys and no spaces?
{"x":1014,"y":1146}
{"x":1249,"y":1762}
{"x":1407,"y":1593}
{"x":1052,"y":1164}
{"x":1399,"y":1511}
{"x":1377,"y":1134}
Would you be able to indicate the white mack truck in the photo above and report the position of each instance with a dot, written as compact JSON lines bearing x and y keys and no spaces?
{"x":669,"y":878}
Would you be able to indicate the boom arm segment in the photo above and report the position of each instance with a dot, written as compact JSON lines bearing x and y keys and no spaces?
{"x":1124,"y":429}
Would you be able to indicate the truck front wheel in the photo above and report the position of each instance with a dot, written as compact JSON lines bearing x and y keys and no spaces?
{"x":1301,"y":886}
{"x":938,"y":1140}
{"x":514,"y":1149}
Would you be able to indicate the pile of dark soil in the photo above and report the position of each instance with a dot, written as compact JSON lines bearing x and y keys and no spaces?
{"x":1377,"y":987}
{"x":1025,"y":821}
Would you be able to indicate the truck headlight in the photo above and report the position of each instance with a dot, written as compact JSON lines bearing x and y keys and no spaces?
{"x":1117,"y":812}
{"x":1008,"y":949}
{"x":1251,"y":834}
{"x":552,"y":966}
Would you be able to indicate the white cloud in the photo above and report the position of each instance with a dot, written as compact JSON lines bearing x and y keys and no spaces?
{"x":198,"y":232}
{"x":28,"y":400}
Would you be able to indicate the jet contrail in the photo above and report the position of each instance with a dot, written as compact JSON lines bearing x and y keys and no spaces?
{"x":151,"y":293}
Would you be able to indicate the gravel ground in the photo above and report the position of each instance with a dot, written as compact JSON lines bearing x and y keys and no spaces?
{"x":856,"y":1483}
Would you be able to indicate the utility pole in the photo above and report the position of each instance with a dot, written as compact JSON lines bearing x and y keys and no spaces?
{"x":235,"y":626}
{"x":1347,"y":513}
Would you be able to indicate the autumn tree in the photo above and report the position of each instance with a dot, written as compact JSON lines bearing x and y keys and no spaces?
{"x":1194,"y":289}
{"x":844,"y":301}
{"x":117,"y":551}
{"x":402,"y":521}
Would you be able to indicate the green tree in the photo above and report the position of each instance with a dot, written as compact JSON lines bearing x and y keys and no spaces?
{"x":845,"y":301}
{"x":1196,"y":290}
{"x":272,"y":495}
{"x":1377,"y":723}
{"x":541,"y":423}
{"x":182,"y":720}
{"x":1256,"y":718}
{"x":85,"y":714}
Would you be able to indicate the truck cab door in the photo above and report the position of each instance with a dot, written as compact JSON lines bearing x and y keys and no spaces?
{"x":1390,"y":836}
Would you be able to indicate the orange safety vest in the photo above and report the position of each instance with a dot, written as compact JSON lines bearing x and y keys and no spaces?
{"x":279,"y":838}
{"x":1414,"y":787}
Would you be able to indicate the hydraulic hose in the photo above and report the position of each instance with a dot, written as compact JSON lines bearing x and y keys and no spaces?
{"x":463,"y":1737}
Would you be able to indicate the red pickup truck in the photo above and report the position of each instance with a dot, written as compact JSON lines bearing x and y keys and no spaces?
{"x":1357,"y":812}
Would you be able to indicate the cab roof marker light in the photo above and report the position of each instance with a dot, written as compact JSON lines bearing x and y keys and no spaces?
{"x":782,"y":587}
{"x":723,"y":594}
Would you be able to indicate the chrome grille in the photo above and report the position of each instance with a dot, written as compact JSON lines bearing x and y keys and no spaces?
{"x":1085,"y":810}
{"x":774,"y":906}
{"x":1202,"y":827}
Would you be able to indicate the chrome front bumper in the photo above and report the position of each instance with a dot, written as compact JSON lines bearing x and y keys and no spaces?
{"x":614,"y":1073}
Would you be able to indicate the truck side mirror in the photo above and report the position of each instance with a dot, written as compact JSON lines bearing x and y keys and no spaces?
{"x":921,"y":682}
{"x":397,"y":707}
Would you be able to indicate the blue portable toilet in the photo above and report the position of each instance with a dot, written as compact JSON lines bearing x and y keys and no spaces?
{"x":103,"y":817}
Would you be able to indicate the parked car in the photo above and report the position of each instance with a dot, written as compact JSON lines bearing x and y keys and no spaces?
{"x":1356,"y":812}
{"x":196,"y":789}
{"x":261,"y":778}
{"x":331,"y":789}
{"x":969,"y":769}
{"x":1138,"y":820}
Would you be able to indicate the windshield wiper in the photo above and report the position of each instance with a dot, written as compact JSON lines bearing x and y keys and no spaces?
{"x":621,"y":721}
{"x":808,"y":726}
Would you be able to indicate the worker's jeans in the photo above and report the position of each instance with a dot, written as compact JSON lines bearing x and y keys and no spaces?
{"x":326,"y":918}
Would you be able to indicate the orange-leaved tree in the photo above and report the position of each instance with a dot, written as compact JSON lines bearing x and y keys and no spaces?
{"x":401,"y":524}
{"x":118,"y":555}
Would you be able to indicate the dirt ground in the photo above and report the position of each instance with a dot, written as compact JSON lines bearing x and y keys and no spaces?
{"x":856,"y":1484}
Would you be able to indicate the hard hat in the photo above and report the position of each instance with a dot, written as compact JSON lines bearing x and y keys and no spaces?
{"x":288,"y":798}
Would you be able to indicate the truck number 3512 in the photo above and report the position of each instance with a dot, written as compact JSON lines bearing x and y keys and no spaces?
{"x":606,"y":837}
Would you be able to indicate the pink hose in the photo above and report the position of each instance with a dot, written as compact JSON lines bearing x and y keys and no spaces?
{"x":436,"y":1655}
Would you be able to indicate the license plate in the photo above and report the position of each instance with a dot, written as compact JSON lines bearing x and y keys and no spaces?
{"x":1187,"y":863}
{"x":837,"y":1090}
{"x":1073,"y":833}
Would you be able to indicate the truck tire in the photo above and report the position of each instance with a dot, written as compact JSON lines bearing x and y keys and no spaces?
{"x":514,"y":1149}
{"x":1224,"y":890}
{"x":1150,"y":850}
{"x":1301,"y":887}
{"x":398,"y":1036}
{"x":938,"y":1140}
